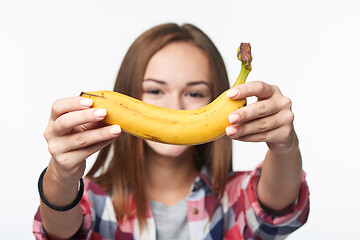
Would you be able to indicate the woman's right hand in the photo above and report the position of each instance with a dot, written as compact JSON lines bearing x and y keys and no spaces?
{"x":76,"y":131}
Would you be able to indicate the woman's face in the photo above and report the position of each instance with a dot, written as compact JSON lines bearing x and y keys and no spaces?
{"x":178,"y":76}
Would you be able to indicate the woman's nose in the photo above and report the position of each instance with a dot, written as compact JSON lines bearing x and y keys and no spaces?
{"x":174,"y":102}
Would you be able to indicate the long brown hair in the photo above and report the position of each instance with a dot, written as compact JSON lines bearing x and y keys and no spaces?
{"x":124,"y":176}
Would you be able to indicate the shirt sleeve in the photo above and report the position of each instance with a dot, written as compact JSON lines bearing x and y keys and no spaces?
{"x":87,"y":225}
{"x":262,"y":225}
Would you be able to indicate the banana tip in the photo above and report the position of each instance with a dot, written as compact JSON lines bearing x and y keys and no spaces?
{"x":244,"y":53}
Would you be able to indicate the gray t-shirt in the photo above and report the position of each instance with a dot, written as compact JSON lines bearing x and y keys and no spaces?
{"x":171,"y":221}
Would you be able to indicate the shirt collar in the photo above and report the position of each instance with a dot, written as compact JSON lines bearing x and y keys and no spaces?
{"x":202,"y":180}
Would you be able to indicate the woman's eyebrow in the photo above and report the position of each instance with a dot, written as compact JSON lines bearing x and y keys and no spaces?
{"x":198,"y":82}
{"x":154,"y":80}
{"x":188,"y":84}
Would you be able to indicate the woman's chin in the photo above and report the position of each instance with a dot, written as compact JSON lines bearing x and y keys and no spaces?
{"x":167,"y":150}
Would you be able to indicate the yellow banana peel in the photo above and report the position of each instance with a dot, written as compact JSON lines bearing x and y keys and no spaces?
{"x":182,"y":127}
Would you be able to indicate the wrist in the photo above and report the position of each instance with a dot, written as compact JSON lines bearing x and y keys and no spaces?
{"x":58,"y":198}
{"x":64,"y":176}
{"x":290,"y":146}
{"x":57,"y":189}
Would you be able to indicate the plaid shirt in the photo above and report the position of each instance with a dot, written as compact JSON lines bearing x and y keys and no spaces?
{"x":239,"y":216}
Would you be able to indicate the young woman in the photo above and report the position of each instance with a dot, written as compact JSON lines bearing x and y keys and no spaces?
{"x":138,"y":189}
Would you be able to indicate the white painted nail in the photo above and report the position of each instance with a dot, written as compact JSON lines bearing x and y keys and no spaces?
{"x":233,"y":118}
{"x":87,"y":102}
{"x":230,"y":131}
{"x":100,"y":113}
{"x":115,"y":130}
{"x":232,"y":92}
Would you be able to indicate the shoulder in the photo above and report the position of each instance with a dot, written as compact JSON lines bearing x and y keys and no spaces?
{"x":238,"y":180}
{"x":241,"y":180}
{"x":240,"y":185}
{"x":96,"y":198}
{"x":93,"y":187}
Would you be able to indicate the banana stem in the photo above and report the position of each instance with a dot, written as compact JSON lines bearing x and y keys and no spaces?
{"x":244,"y":72}
{"x":244,"y":55}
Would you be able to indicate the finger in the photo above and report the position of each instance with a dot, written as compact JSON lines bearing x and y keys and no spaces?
{"x":253,"y":111}
{"x":73,"y":158}
{"x":70,"y":104}
{"x":258,"y":89}
{"x":90,"y":137}
{"x":260,"y":125}
{"x":275,"y":136}
{"x":67,"y":122}
{"x":90,"y":126}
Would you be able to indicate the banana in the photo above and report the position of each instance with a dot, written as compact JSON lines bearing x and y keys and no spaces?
{"x":181,"y":127}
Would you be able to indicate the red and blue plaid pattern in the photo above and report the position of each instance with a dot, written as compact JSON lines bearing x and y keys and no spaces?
{"x":239,"y":216}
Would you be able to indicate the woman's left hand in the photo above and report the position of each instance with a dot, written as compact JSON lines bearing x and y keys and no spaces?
{"x":269,"y":120}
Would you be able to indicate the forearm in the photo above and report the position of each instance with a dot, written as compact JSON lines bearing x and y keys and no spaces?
{"x":280,"y":178}
{"x":60,"y":224}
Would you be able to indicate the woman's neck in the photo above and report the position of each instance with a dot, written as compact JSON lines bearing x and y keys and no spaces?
{"x":169,"y":178}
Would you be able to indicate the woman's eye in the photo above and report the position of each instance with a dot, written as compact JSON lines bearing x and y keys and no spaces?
{"x":153,"y":91}
{"x":196,"y":95}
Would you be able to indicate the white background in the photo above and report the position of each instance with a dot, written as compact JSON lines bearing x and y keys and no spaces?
{"x":55,"y":49}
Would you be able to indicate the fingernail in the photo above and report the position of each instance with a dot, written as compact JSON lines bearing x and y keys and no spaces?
{"x":100,"y":113}
{"x":233,"y":118}
{"x":87,"y":102}
{"x":115,"y":129}
{"x":232,"y":92}
{"x":230,"y":131}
